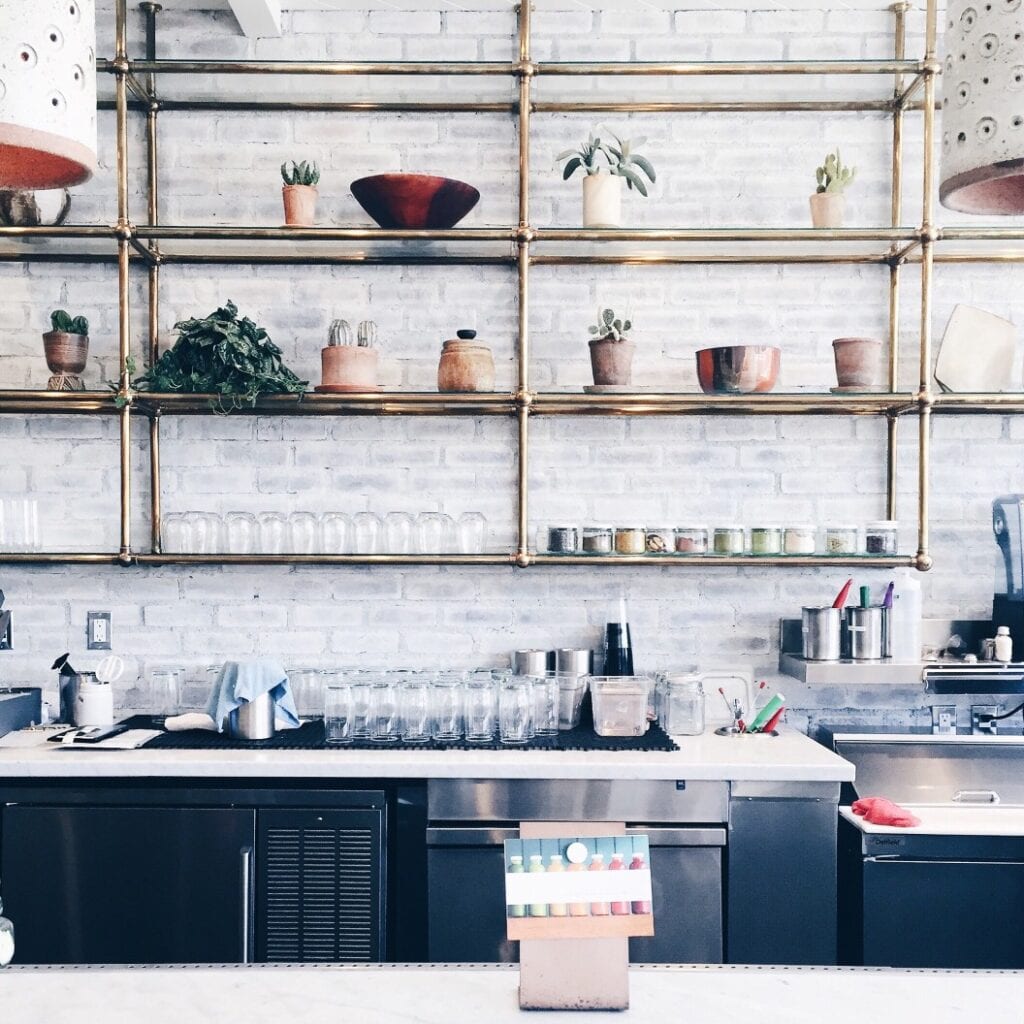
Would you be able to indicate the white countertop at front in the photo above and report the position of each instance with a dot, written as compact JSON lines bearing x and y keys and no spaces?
{"x":417,"y":994}
{"x":949,"y":820}
{"x":789,"y":757}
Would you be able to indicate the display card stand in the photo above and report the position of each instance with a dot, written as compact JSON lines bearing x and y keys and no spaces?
{"x":577,"y":973}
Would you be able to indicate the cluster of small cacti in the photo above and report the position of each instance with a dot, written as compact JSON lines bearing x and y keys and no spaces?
{"x":304,"y":173}
{"x":609,"y":326}
{"x":61,"y":320}
{"x":340,"y":333}
{"x":833,"y":176}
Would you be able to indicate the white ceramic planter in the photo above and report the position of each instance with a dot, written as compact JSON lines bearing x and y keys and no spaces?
{"x":602,"y":201}
{"x":827,"y":209}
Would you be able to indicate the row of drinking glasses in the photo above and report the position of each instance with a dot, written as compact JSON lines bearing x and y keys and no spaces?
{"x":19,"y":525}
{"x":416,"y":707}
{"x":334,"y":533}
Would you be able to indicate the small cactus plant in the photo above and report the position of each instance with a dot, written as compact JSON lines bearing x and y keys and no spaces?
{"x":833,"y":176}
{"x":62,"y":321}
{"x":340,"y":333}
{"x":304,"y":173}
{"x":609,"y":327}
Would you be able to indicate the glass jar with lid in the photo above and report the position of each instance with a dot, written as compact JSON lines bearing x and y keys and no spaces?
{"x":598,"y":540}
{"x":563,"y":539}
{"x":630,"y":540}
{"x":730,"y":540}
{"x":800,"y":540}
{"x":661,"y":540}
{"x":842,"y":540}
{"x":766,"y":540}
{"x":882,"y":537}
{"x":691,"y":540}
{"x":682,"y":705}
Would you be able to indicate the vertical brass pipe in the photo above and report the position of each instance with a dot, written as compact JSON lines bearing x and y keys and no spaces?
{"x":526,"y":71}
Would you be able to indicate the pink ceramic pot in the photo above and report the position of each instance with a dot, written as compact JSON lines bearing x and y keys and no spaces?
{"x":349,"y":367}
{"x":612,"y":361}
{"x":858,"y":362}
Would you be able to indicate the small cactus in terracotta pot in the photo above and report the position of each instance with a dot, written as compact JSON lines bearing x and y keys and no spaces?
{"x":828,"y":201}
{"x":347,"y":366}
{"x":67,"y":350}
{"x":300,"y":193}
{"x":611,"y":352}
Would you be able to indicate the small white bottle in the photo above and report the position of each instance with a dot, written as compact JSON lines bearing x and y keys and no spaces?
{"x":905,"y":619}
{"x":1004,"y":644}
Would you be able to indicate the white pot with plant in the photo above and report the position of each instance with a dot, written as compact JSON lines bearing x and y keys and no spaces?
{"x":606,"y":167}
{"x":828,"y":201}
{"x":299,"y":193}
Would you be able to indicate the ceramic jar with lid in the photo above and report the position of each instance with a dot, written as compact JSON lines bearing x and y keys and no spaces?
{"x":466,"y":365}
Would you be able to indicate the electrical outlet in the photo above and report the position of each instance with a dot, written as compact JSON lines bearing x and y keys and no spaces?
{"x":97,"y":631}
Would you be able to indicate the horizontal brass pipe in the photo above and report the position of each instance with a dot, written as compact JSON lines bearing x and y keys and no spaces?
{"x":51,"y":558}
{"x":357,"y":234}
{"x":320,"y":559}
{"x":49,"y":402}
{"x":726,"y":235}
{"x":61,"y":231}
{"x":710,"y":106}
{"x":58,"y":257}
{"x":731,"y":405}
{"x":795,"y":561}
{"x":968,"y":402}
{"x":687,"y":258}
{"x":313,"y":404}
{"x":341,"y":106}
{"x":338,"y":259}
{"x":714,"y":68}
{"x":325,"y":67}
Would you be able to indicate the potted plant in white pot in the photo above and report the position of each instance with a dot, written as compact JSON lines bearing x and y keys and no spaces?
{"x":606,"y":167}
{"x":828,"y":201}
{"x":611,"y":352}
{"x":299,"y":192}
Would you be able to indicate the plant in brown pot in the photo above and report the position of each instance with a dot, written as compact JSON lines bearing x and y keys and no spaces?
{"x":348,"y":367}
{"x":611,"y":352}
{"x":828,"y":201}
{"x":299,"y":192}
{"x":67,"y":349}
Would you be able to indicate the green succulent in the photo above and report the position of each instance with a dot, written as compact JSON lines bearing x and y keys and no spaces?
{"x":304,"y":173}
{"x":585,"y":157}
{"x":619,"y":159}
{"x":609,"y":326}
{"x":833,"y":176}
{"x":61,"y":320}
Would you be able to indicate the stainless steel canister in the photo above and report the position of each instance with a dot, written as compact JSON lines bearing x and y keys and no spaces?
{"x":576,"y":661}
{"x":821,"y":630}
{"x":253,"y":720}
{"x":865,"y":633}
{"x":532,"y":663}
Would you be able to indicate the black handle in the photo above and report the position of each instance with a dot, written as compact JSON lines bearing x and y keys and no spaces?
{"x":466,"y":335}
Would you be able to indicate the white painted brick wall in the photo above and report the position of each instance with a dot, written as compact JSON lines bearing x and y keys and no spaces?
{"x":714,"y":170}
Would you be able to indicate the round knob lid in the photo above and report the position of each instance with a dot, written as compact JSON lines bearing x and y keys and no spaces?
{"x":465,"y":335}
{"x":576,"y":853}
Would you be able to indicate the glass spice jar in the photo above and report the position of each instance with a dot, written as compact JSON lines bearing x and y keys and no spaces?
{"x":598,"y":540}
{"x":800,"y":540}
{"x":766,"y":540}
{"x":882,"y":537}
{"x":660,"y":540}
{"x":691,"y":540}
{"x":630,"y":540}
{"x":563,"y":539}
{"x":842,"y":540}
{"x":729,"y":540}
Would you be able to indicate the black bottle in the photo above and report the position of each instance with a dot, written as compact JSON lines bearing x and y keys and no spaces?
{"x":618,"y":650}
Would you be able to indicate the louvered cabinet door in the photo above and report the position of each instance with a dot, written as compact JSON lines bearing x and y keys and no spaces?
{"x":320,"y":886}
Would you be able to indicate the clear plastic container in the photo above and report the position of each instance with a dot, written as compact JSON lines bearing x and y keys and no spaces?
{"x":598,"y":540}
{"x":729,"y":540}
{"x":682,"y":705}
{"x":766,"y":540}
{"x":691,"y":540}
{"x":882,"y":537}
{"x":620,"y":704}
{"x":630,"y":540}
{"x":800,"y":540}
{"x":661,"y":540}
{"x":842,"y":540}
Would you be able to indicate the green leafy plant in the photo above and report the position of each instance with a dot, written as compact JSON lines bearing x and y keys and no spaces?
{"x":833,"y":176}
{"x":304,"y":173}
{"x":61,"y":320}
{"x":223,"y":355}
{"x":619,"y":159}
{"x":609,"y":327}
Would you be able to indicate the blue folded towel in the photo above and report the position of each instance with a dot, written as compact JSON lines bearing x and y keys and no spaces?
{"x":242,"y":681}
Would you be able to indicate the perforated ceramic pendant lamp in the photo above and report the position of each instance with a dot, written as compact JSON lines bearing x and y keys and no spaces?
{"x":47,"y":93}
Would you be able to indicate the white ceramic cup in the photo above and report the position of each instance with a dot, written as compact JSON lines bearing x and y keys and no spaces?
{"x":94,"y":704}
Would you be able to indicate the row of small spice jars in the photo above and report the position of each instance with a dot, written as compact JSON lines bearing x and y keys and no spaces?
{"x":879,"y":538}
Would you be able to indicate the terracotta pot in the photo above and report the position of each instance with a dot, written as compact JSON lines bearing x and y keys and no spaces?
{"x":858,"y":362}
{"x":349,"y":366}
{"x":465,"y":365}
{"x":66,"y":353}
{"x":602,"y":201}
{"x":299,"y":205}
{"x":827,"y":209}
{"x":612,"y":361}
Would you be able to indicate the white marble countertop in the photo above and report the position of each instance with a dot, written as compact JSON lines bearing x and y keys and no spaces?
{"x":949,"y":820}
{"x":268,"y":994}
{"x":789,"y":757}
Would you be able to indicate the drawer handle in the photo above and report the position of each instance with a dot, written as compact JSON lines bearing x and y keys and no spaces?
{"x":976,"y":796}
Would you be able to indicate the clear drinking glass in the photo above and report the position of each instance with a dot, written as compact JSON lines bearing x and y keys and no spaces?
{"x":515,"y":710}
{"x":339,"y":713}
{"x":19,"y":524}
{"x":571,"y":690}
{"x":448,"y":711}
{"x":335,"y":533}
{"x":240,"y":531}
{"x":399,"y":528}
{"x":360,"y":683}
{"x":273,"y":533}
{"x":480,"y":699}
{"x":545,"y":704}
{"x":165,"y":691}
{"x":307,"y":686}
{"x":203,"y":533}
{"x":471,"y":533}
{"x":303,"y":531}
{"x":366,"y":531}
{"x":174,"y":538}
{"x":384,"y":717}
{"x":417,"y":724}
{"x":434,"y":531}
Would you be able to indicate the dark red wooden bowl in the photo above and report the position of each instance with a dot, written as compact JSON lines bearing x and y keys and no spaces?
{"x":415,"y":201}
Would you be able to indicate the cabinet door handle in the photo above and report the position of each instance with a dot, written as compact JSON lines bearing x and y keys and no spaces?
{"x":245,"y":855}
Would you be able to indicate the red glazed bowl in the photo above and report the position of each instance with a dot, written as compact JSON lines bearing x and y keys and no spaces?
{"x":415,"y":201}
{"x":738,"y":369}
